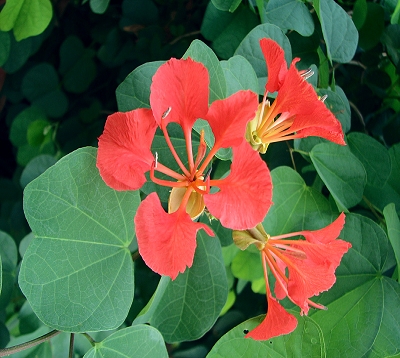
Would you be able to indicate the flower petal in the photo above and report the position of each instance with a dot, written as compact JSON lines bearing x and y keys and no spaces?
{"x":326,"y":234}
{"x":228,"y":117}
{"x":167,"y":242}
{"x":312,"y":117}
{"x":245,"y":195}
{"x":276,"y":323}
{"x":124,"y":154}
{"x":182,"y":86}
{"x":276,"y":64}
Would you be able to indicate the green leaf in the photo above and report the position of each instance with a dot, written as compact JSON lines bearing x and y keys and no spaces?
{"x":341,"y":171}
{"x":35,"y":167}
{"x":374,"y":157}
{"x":21,"y":123}
{"x":290,"y":15}
{"x":239,"y":75}
{"x":226,"y":5}
{"x":5,"y":44}
{"x":41,"y":87}
{"x":26,"y":17}
{"x":99,"y":6}
{"x":186,"y":308}
{"x":340,"y":34}
{"x":9,"y":256}
{"x":292,"y":198}
{"x":134,"y":91}
{"x":250,"y":49}
{"x":359,"y":13}
{"x":247,"y":265}
{"x":37,"y":132}
{"x":394,"y":153}
{"x":393,"y":229}
{"x":226,"y":30}
{"x":77,"y":272}
{"x":200,"y":52}
{"x":373,"y":26}
{"x":76,"y":65}
{"x":305,"y":341}
{"x":136,"y":341}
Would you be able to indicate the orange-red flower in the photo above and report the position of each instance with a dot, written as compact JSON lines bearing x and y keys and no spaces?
{"x":179,"y":94}
{"x":302,"y":269}
{"x":296,"y":112}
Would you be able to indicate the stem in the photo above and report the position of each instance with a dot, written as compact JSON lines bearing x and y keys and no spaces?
{"x":71,"y":346}
{"x":90,"y":339}
{"x":21,"y":347}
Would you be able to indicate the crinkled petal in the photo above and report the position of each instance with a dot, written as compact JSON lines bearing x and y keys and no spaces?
{"x":245,"y":195}
{"x":182,"y":86}
{"x":276,"y":64}
{"x":166,"y":242}
{"x":276,"y":323}
{"x":228,"y":117}
{"x":124,"y":154}
{"x":312,"y":117}
{"x":327,"y":234}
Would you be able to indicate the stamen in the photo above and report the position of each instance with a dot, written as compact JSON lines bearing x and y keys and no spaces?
{"x":307,"y":73}
{"x":165,"y":114}
{"x":155,"y":160}
{"x":323,"y":98}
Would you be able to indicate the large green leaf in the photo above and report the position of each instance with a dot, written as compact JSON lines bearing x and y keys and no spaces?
{"x":26,"y":17}
{"x":292,"y":198}
{"x":137,"y":341}
{"x":239,"y":75}
{"x":200,"y":52}
{"x":8,"y":258}
{"x":374,"y":157}
{"x":363,"y":303}
{"x":305,"y":341}
{"x":41,"y":87}
{"x":341,"y":171}
{"x":99,"y":6}
{"x":226,"y":30}
{"x":394,"y":153}
{"x":340,"y":34}
{"x":393,"y":229}
{"x":290,"y":15}
{"x":186,"y":308}
{"x":134,"y":91}
{"x":77,"y":272}
{"x":226,"y":5}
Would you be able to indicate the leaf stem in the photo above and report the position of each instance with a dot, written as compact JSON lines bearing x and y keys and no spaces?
{"x":21,"y":347}
{"x":90,"y":339}
{"x":71,"y":346}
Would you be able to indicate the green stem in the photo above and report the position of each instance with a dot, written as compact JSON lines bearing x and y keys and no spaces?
{"x":21,"y":347}
{"x":71,"y":346}
{"x":261,"y":11}
{"x":90,"y":339}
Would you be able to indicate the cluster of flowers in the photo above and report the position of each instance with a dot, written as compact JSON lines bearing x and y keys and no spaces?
{"x":167,"y":240}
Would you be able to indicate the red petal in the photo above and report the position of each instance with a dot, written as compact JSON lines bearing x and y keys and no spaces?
{"x":181,"y":85}
{"x":312,"y":117}
{"x":245,"y":194}
{"x":228,"y":118}
{"x":167,"y":242}
{"x":124,"y":154}
{"x":276,"y":64}
{"x":326,"y":234}
{"x":276,"y":323}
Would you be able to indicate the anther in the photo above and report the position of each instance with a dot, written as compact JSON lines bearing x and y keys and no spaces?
{"x":165,"y":114}
{"x":323,"y":98}
{"x":155,"y":160}
{"x":307,"y":74}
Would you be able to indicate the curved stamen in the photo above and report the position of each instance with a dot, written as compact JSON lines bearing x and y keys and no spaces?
{"x":173,"y":151}
{"x":167,"y":171}
{"x":281,"y":279}
{"x":172,"y":184}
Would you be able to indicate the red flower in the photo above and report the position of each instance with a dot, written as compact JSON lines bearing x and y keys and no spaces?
{"x":297,"y":112}
{"x":311,"y":265}
{"x":179,"y":93}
